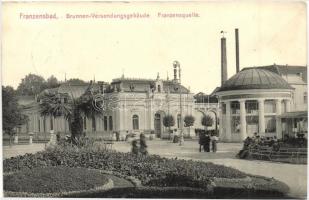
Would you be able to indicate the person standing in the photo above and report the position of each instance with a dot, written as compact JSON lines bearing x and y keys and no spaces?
{"x":135,"y":149}
{"x":214,"y":140}
{"x":143,"y":145}
{"x":201,"y":140}
{"x":207,"y":143}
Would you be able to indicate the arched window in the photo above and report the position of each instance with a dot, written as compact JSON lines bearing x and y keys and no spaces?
{"x":85,"y":123}
{"x":178,"y":120}
{"x":44,"y":124}
{"x":110,"y":122}
{"x":94,"y":126}
{"x":51,"y":123}
{"x":135,"y":122}
{"x":105,"y":123}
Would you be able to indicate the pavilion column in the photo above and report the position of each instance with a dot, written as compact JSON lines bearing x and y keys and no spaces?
{"x":261,"y":117}
{"x":221,"y":122}
{"x":228,"y":121}
{"x":243,"y":123}
{"x":278,"y":119}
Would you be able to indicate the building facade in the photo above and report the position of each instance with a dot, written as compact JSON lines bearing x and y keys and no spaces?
{"x":129,"y":105}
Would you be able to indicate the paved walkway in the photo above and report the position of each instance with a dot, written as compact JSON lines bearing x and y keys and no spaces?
{"x":15,"y":150}
{"x":295,"y":176}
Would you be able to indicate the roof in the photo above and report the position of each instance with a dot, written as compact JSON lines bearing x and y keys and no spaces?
{"x":143,"y":85}
{"x":75,"y":90}
{"x":284,"y":70}
{"x":255,"y":78}
{"x":296,"y":114}
{"x":204,"y":98}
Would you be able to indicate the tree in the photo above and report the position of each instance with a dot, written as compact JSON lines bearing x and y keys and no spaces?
{"x":31,"y":85}
{"x":168,"y":121}
{"x":11,"y":113}
{"x":72,"y":109}
{"x":189,"y":121}
{"x":75,"y":81}
{"x":52,"y":82}
{"x":207,"y":121}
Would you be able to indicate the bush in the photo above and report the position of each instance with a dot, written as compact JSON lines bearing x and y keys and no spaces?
{"x":53,"y":179}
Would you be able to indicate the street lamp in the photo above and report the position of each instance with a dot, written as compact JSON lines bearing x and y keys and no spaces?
{"x":176,"y":65}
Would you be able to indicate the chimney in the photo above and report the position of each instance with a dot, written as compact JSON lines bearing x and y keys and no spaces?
{"x":223,"y":61}
{"x":176,"y":64}
{"x":175,"y":73}
{"x":237,"y":50}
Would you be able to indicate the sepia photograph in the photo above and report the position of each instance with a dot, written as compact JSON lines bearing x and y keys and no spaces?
{"x":161,"y":100}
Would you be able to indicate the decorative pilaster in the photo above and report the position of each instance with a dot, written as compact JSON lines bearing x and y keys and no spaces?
{"x":261,"y":117}
{"x":243,"y":123}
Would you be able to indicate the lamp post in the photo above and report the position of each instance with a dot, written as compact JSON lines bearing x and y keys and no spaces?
{"x":176,"y":64}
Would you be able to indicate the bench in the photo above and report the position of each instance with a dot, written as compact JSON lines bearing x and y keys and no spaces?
{"x":291,"y":155}
{"x":108,"y":144}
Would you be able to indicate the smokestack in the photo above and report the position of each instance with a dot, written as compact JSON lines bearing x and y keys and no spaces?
{"x":176,"y":64}
{"x":223,"y":61}
{"x":237,"y":50}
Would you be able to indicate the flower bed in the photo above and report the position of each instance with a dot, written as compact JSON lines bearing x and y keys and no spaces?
{"x":152,"y":171}
{"x":53,"y":179}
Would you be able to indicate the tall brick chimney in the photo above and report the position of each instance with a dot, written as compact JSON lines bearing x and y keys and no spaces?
{"x":237,"y":49}
{"x":223,"y":61}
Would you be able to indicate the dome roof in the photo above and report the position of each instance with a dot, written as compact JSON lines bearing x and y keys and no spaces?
{"x":255,"y":78}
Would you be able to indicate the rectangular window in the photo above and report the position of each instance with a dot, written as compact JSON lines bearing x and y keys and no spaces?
{"x":235,"y":107}
{"x":105,"y":123}
{"x":252,"y":107}
{"x":305,"y":97}
{"x":110,"y":123}
{"x":270,"y":106}
{"x":235,"y":124}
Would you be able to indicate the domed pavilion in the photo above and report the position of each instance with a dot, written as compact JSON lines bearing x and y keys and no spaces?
{"x":251,"y":102}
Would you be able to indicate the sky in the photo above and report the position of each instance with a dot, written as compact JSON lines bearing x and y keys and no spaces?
{"x":269,"y":32}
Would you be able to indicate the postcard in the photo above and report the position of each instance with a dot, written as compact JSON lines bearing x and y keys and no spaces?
{"x":179,"y":99}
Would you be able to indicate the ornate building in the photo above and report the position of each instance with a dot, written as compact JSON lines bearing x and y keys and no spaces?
{"x":130,"y":105}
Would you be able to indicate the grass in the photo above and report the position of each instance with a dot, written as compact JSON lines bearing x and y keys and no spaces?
{"x":53,"y":179}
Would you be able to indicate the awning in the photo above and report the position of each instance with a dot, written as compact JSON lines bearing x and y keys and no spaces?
{"x":297,"y":114}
